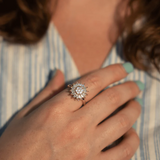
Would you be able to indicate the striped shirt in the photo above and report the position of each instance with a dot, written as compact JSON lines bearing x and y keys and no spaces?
{"x":24,"y":71}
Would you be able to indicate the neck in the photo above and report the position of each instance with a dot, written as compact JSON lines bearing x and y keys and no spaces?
{"x":89,"y":29}
{"x":107,"y":15}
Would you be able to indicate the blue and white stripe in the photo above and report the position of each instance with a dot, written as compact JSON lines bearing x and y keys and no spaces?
{"x":24,"y":71}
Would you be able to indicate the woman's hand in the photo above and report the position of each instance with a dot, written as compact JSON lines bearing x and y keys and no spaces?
{"x":59,"y":129}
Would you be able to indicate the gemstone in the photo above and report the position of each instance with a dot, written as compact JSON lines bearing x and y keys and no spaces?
{"x":79,"y":90}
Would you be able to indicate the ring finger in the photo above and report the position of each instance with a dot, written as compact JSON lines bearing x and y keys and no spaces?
{"x":95,"y":81}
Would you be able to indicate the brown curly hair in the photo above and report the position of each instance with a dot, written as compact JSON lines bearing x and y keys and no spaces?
{"x":142,"y":46}
{"x":26,"y":22}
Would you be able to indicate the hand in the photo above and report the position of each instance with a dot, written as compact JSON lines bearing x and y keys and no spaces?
{"x":54,"y":86}
{"x":60,"y":129}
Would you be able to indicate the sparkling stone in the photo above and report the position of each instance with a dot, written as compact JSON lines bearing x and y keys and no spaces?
{"x":72,"y":90}
{"x":79,"y":96}
{"x":79,"y":90}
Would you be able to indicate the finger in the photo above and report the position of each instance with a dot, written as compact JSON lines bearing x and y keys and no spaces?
{"x":123,"y":151}
{"x":53,"y":87}
{"x":109,"y":100}
{"x":117,"y":125}
{"x":96,"y":81}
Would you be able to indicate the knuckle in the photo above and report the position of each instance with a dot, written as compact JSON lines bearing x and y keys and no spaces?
{"x":93,"y":80}
{"x":82,"y":150}
{"x":55,"y":110}
{"x":123,"y":121}
{"x":52,"y":113}
{"x":77,"y":126}
{"x":128,"y":151}
{"x":113,"y":96}
{"x":85,"y":119}
{"x":73,"y":130}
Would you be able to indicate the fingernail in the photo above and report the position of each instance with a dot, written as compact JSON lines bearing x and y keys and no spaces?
{"x":139,"y":100}
{"x":53,"y":73}
{"x":140,"y":85}
{"x":134,"y":126}
{"x":128,"y":67}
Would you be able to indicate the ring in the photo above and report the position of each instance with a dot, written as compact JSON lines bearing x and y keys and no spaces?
{"x":78,"y":91}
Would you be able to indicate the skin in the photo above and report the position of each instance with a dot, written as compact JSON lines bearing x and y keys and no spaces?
{"x":58,"y":128}
{"x":89,"y":29}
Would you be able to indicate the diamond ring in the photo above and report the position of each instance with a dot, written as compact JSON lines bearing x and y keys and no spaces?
{"x":78,"y":91}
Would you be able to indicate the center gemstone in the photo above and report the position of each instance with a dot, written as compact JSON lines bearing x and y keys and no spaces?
{"x":79,"y":90}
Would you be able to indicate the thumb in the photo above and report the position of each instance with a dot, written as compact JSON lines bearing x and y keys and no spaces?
{"x":55,"y":85}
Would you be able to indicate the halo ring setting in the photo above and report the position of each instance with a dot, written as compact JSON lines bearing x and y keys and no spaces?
{"x":78,"y":91}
